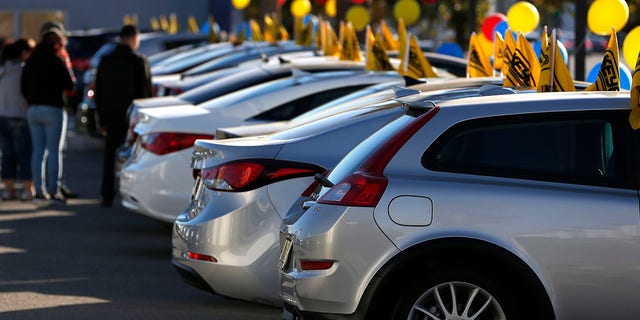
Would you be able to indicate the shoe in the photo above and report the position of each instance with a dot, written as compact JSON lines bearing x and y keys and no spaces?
{"x":58,"y":198}
{"x":8,"y":195}
{"x":67,"y":193}
{"x":40,"y":199}
{"x":26,"y":196}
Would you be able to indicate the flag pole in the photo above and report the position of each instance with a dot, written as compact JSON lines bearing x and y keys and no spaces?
{"x":553,"y":59}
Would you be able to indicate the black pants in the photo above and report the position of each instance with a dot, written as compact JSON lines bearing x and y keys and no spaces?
{"x":115,"y":137}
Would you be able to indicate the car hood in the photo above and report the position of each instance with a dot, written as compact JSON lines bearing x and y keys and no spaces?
{"x":208,"y":153}
{"x":251,"y":130}
{"x":183,"y":118}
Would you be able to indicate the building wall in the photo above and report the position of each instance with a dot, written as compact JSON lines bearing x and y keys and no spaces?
{"x":85,"y":14}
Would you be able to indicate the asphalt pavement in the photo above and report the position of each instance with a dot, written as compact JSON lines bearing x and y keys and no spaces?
{"x":83,"y":261}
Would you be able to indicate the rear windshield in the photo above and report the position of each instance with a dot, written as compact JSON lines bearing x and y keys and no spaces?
{"x":228,"y":100}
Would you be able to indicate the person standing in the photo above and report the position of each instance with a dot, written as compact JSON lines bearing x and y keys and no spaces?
{"x":45,"y":77}
{"x":123,"y":75}
{"x":15,"y":138}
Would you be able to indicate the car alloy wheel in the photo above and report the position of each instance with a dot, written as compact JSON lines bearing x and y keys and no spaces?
{"x":456,"y":301}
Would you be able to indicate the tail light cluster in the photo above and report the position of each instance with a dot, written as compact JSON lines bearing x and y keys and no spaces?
{"x":167,"y":142}
{"x":249,"y":174}
{"x":365,"y":186}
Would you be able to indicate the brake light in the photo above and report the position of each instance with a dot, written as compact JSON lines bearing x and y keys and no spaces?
{"x":167,"y":142}
{"x":249,"y":174}
{"x":82,"y":64}
{"x":365,"y":186}
{"x":315,"y":265}
{"x":201,"y":257}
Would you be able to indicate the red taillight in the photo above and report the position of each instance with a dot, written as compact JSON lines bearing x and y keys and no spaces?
{"x":167,"y":142}
{"x":315,"y":265}
{"x":249,"y":174}
{"x":365,"y":186}
{"x":356,"y":190}
{"x":201,"y":257}
{"x":81,"y":64}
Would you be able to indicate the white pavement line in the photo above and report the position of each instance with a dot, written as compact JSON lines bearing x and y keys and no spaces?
{"x":20,"y":301}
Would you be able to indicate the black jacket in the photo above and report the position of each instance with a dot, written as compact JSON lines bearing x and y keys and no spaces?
{"x":123,"y":75}
{"x":45,"y":77}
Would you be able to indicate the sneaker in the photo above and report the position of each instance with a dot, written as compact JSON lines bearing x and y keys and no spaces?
{"x":67,"y":193}
{"x":40,"y":199}
{"x":26,"y":196}
{"x":8,"y":195}
{"x":59,"y":198}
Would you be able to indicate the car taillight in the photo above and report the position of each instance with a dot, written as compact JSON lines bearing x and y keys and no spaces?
{"x":81,"y":64}
{"x":167,"y":142}
{"x":365,"y":186}
{"x":249,"y":174}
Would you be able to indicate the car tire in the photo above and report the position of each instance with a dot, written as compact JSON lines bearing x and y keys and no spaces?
{"x":478,"y":294}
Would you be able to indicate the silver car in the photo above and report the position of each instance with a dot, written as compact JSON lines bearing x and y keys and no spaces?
{"x":507,"y":207}
{"x":226,"y":241}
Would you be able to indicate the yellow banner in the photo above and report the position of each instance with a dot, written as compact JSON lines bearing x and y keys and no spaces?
{"x":478,"y":64}
{"x":509,"y":47}
{"x":498,"y":48}
{"x":387,"y":40}
{"x":403,"y":47}
{"x":350,"y":46}
{"x":554,"y":74}
{"x":377,"y":59}
{"x":609,"y":73}
{"x":524,"y":69}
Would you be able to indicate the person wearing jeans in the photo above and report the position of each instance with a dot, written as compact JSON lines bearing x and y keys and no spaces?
{"x":15,"y":139}
{"x":45,"y":77}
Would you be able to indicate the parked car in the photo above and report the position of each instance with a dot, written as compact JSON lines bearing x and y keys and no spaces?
{"x":153,"y":180}
{"x":509,"y":207}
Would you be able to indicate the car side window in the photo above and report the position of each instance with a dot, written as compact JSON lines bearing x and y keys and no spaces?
{"x":301,"y":105}
{"x":592,"y":148}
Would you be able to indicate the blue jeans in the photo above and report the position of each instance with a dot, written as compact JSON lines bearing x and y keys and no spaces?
{"x":15,"y":141}
{"x":48,"y":126}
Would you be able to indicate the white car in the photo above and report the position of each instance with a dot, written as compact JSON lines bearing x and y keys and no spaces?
{"x":155,"y":180}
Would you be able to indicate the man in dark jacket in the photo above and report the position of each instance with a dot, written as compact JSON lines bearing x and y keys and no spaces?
{"x":123,"y":75}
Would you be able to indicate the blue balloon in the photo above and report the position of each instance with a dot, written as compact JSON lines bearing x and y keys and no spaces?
{"x":204,"y":28}
{"x":625,"y":75}
{"x":451,"y":49}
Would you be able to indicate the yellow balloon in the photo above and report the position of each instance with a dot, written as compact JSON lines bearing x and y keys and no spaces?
{"x":330,"y":8}
{"x":486,"y":44}
{"x":240,"y":4}
{"x":408,"y":10}
{"x":358,"y":16}
{"x":523,"y":17}
{"x":299,"y":8}
{"x":604,"y":14}
{"x":631,"y":47}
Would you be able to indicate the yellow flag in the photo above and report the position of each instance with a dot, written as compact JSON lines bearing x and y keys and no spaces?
{"x":554,"y":74}
{"x":155,"y":24}
{"x":164,"y":23}
{"x":284,"y":34}
{"x":387,"y":40}
{"x":478,"y":64}
{"x":126,"y":20}
{"x":304,"y":34}
{"x":377,"y":59}
{"x":330,"y":44}
{"x":417,"y":64}
{"x":498,"y":48}
{"x":634,"y":117}
{"x":609,"y":74}
{"x":270,"y":30}
{"x":173,"y":24}
{"x":507,"y":51}
{"x":193,"y":25}
{"x":350,"y":46}
{"x":524,"y":69}
{"x":403,"y":47}
{"x":256,"y":32}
